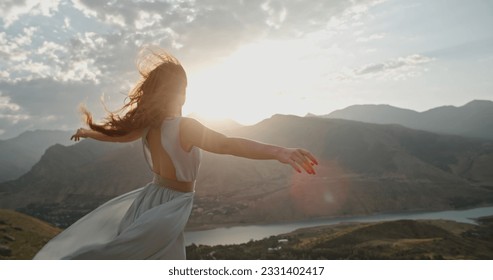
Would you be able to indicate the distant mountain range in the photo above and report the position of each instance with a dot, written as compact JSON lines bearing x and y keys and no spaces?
{"x":475,"y":119}
{"x":19,"y":154}
{"x":365,"y":168}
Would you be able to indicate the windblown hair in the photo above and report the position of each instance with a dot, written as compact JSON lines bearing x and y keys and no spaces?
{"x":162,"y":79}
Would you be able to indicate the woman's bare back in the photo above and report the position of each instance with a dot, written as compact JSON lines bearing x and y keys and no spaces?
{"x":161,"y":161}
{"x":168,"y":156}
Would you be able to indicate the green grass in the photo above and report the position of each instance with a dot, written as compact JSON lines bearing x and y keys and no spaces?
{"x":23,"y":235}
{"x":404,"y":239}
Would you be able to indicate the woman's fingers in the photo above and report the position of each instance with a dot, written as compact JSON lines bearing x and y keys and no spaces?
{"x":295,"y":166}
{"x":302,"y":158}
{"x":78,"y":134}
{"x":309,"y":155}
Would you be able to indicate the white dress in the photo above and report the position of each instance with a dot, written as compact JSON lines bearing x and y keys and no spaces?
{"x":146,"y":223}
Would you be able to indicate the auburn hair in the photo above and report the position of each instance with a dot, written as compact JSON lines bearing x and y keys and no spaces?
{"x":162,"y":79}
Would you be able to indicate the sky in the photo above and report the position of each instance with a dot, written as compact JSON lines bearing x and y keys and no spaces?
{"x":245,"y":60}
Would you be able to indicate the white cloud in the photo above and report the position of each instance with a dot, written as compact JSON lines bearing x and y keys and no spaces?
{"x":200,"y":32}
{"x":25,"y":39}
{"x":7,"y":105}
{"x":61,"y":62}
{"x":147,"y":19}
{"x":351,"y":15}
{"x":92,"y":40}
{"x":10,"y":111}
{"x":34,"y":69}
{"x":44,"y":103}
{"x":4,"y":74}
{"x":83,"y":70}
{"x":15,"y":48}
{"x":276,"y":14}
{"x":372,"y":37}
{"x":92,"y":46}
{"x":395,"y":69}
{"x":52,"y":51}
{"x":115,"y":19}
{"x":14,"y":118}
{"x":11,"y":10}
{"x":89,"y":9}
{"x":66,"y":23}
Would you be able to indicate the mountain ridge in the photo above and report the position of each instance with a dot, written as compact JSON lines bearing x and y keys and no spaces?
{"x":20,"y":153}
{"x":474,"y":119}
{"x":364,"y":168}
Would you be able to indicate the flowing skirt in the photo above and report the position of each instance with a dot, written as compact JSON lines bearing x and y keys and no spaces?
{"x":146,"y":223}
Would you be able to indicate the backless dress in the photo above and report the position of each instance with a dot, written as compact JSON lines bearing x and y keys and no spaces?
{"x":146,"y":223}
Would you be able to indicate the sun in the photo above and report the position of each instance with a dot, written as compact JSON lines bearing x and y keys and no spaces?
{"x":253,"y":83}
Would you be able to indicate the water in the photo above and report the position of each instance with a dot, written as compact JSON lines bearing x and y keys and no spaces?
{"x":242,"y":234}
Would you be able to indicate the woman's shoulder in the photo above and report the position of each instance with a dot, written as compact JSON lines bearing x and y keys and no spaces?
{"x":191,"y":127}
{"x":189,"y":122}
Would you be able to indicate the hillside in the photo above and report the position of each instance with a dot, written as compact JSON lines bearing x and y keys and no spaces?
{"x":364,"y":169}
{"x":474,"y":119}
{"x":22,"y":236}
{"x":403,"y":239}
{"x":19,"y":154}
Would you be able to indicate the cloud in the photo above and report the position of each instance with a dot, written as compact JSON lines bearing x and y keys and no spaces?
{"x":11,"y":10}
{"x":15,"y":48}
{"x":198,"y":32}
{"x":55,"y":54}
{"x":131,"y":14}
{"x":66,"y":62}
{"x":372,"y":37}
{"x":10,"y":112}
{"x":395,"y":69}
{"x":43,"y":103}
{"x":7,"y":105}
{"x":213,"y":29}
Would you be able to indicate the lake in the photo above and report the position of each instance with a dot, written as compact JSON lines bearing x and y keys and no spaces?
{"x":242,"y":234}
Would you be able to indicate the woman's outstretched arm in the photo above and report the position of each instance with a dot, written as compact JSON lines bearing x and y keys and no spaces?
{"x":193,"y":133}
{"x":88,"y":133}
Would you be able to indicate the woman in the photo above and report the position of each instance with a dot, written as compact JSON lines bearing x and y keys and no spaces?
{"x":148,"y":223}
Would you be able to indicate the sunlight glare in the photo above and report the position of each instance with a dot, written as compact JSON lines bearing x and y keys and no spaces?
{"x":255,"y":82}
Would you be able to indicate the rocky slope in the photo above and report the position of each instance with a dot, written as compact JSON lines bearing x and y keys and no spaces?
{"x":19,"y":154}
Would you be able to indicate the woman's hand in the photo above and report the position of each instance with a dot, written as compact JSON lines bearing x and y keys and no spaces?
{"x":298,"y":158}
{"x":80,"y":133}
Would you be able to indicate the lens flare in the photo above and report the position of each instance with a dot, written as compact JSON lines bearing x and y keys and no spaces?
{"x":323,"y":194}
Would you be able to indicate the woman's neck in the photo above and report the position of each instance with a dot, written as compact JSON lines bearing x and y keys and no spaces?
{"x":173,"y":113}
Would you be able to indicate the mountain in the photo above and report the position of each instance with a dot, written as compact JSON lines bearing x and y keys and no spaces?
{"x":364,"y":168}
{"x":76,"y":178}
{"x":475,"y":119}
{"x":19,"y":154}
{"x":22,"y":236}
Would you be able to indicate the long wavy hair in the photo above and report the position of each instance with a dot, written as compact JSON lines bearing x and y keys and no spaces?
{"x":162,"y":80}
